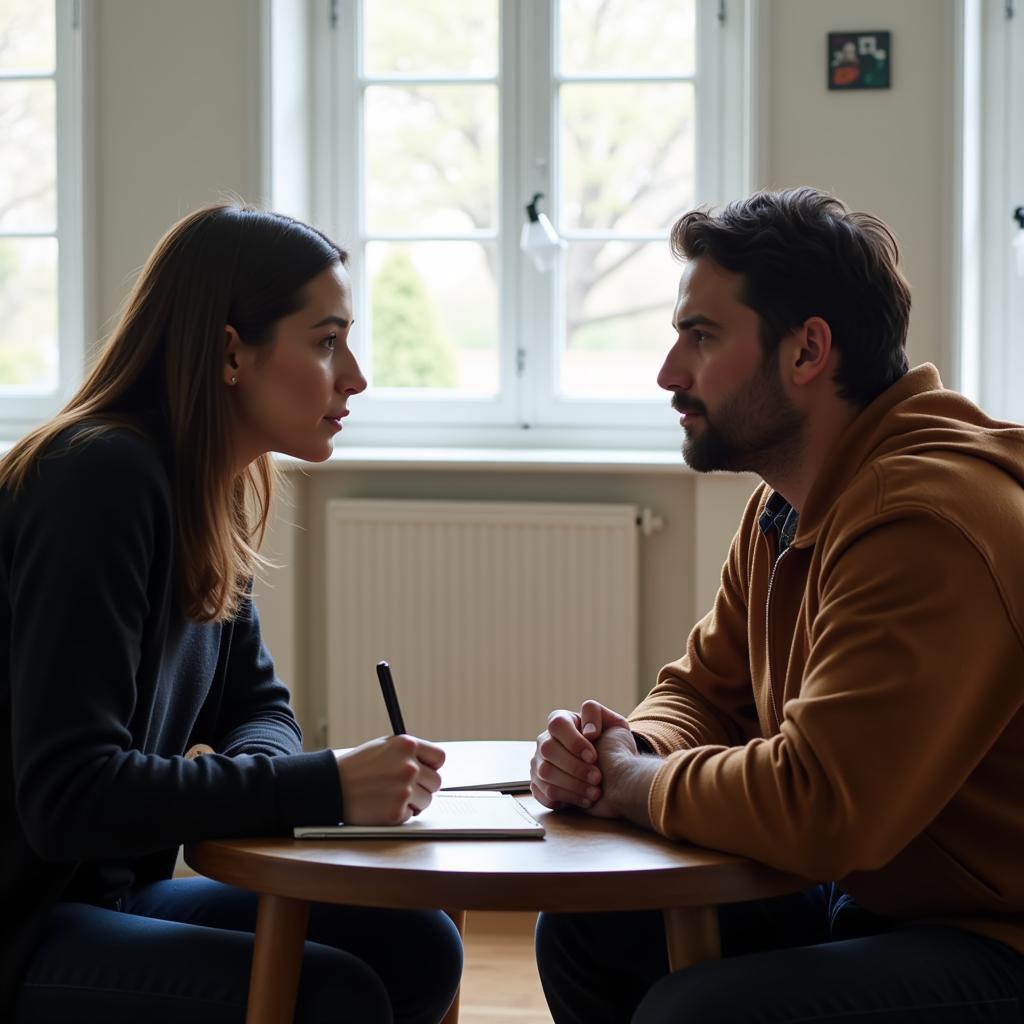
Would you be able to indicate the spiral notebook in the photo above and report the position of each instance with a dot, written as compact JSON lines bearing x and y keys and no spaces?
{"x":451,"y":815}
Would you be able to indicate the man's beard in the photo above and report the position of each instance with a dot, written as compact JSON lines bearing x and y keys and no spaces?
{"x":757,"y":430}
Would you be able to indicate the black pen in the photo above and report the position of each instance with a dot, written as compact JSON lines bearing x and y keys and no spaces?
{"x":387,"y":687}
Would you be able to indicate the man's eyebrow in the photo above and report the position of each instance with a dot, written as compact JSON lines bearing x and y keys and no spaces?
{"x":697,"y":320}
{"x":336,"y":320}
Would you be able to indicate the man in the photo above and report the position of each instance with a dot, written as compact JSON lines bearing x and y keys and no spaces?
{"x":851,"y":708}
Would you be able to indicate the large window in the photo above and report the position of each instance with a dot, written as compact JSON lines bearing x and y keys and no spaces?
{"x":434,"y":124}
{"x":40,"y":208}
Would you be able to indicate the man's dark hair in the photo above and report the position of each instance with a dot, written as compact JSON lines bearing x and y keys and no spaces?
{"x":803,"y":253}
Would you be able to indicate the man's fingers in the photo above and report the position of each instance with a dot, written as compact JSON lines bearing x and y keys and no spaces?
{"x":564,"y":727}
{"x":595,"y":718}
{"x":540,"y":795}
{"x":550,"y":751}
{"x":553,"y":778}
{"x":555,"y":798}
{"x":592,"y":719}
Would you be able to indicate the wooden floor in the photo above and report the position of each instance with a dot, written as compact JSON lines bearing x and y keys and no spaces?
{"x":499,"y":981}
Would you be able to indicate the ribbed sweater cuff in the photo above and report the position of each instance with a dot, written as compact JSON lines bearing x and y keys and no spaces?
{"x":308,"y":789}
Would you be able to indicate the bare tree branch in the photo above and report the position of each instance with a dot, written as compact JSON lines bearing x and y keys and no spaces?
{"x":575,"y":325}
{"x":477,"y":215}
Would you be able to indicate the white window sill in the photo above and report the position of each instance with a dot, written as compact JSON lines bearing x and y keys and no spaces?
{"x":555,"y":460}
{"x":526,"y":460}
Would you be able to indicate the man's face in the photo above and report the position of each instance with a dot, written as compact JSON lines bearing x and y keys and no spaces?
{"x":735,"y":410}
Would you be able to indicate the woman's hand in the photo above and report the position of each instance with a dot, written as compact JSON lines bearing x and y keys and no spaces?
{"x":388,"y":780}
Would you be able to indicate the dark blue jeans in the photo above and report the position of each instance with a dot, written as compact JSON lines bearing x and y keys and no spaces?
{"x":181,"y":950}
{"x":815,"y":956}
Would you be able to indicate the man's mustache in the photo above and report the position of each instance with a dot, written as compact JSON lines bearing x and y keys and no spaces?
{"x":682,"y":404}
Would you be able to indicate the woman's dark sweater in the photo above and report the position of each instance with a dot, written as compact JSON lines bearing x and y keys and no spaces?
{"x":104,"y":684}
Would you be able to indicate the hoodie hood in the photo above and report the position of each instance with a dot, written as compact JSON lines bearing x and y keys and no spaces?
{"x":915,"y":418}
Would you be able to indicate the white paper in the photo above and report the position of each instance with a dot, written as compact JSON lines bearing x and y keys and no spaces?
{"x":456,"y":814}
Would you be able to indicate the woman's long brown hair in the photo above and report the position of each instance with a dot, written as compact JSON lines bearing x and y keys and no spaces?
{"x":225,"y":264}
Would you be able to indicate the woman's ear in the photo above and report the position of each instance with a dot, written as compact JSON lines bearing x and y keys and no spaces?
{"x":232,"y":356}
{"x":811,"y":350}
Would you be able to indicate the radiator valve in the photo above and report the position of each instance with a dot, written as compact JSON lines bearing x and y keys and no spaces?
{"x":649,"y":523}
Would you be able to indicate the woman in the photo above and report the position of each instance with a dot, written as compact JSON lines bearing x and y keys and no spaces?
{"x":128,"y":533}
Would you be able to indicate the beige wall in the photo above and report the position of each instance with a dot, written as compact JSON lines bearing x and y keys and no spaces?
{"x":890,"y":152}
{"x":177,"y":103}
{"x":177,"y":123}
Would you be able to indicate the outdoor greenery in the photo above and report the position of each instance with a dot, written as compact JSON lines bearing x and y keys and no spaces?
{"x":409,"y":350}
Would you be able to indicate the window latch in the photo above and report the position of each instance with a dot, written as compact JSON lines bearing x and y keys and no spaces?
{"x":1018,"y":239}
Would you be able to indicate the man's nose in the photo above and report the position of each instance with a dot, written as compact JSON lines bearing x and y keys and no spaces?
{"x":675,"y":374}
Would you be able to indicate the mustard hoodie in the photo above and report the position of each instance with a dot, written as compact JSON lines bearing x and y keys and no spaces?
{"x":854,"y":710}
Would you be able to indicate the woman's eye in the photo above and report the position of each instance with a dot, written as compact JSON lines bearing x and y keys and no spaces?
{"x":329,"y":341}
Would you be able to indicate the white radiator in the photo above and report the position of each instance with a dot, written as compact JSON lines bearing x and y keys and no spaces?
{"x":491,"y":614}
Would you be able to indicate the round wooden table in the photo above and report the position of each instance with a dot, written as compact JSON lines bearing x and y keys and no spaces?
{"x":582,"y":864}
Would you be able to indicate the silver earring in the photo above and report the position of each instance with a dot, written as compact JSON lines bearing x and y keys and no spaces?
{"x":234,"y":380}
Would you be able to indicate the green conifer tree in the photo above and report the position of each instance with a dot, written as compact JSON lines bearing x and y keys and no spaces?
{"x":409,"y":348}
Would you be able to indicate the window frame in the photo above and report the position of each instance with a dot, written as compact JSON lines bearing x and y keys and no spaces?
{"x":991,"y":360}
{"x":526,"y":412}
{"x":20,"y":413}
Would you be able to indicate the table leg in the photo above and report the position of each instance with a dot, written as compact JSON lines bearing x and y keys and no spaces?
{"x":452,"y":1016}
{"x":692,"y":935}
{"x":276,"y":959}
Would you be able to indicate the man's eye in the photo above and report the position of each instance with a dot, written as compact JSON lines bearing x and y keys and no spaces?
{"x":701,"y":337}
{"x":329,"y":341}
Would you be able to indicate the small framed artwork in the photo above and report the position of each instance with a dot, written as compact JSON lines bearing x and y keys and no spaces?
{"x":859,"y":60}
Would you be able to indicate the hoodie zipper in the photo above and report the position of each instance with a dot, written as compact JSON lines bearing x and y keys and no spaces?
{"x":768,"y":638}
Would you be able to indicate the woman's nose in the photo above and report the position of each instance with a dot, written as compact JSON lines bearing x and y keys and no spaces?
{"x":351,"y":380}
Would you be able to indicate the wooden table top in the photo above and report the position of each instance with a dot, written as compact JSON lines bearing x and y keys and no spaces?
{"x":582,"y":863}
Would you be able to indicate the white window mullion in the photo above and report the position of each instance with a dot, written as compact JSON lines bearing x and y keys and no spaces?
{"x":1012,"y":337}
{"x":71,"y":184}
{"x":337,"y":142}
{"x":537,"y":156}
{"x":710,"y":76}
{"x":338,"y":77}
{"x":727,"y":115}
{"x":512,"y":340}
{"x":291,"y":135}
{"x":1001,"y":340}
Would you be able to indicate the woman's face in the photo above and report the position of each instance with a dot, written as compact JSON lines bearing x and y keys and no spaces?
{"x":292,"y":393}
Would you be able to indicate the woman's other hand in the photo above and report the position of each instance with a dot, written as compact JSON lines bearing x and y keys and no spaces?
{"x":388,"y":780}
